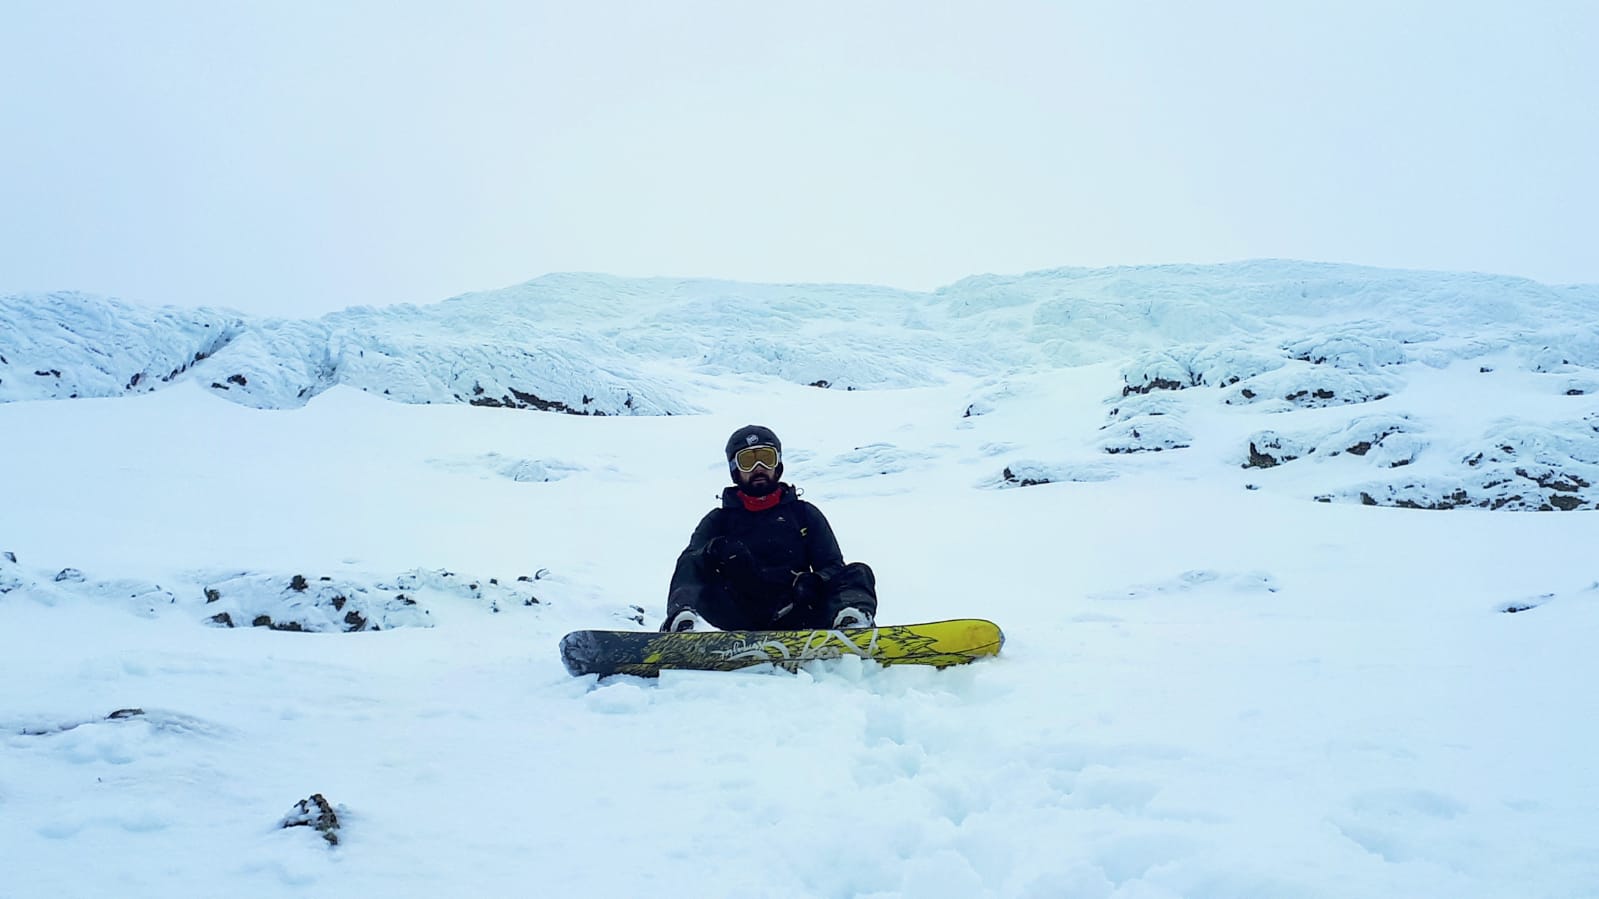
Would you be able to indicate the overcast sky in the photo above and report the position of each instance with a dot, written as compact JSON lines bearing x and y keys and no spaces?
{"x":298,"y":157}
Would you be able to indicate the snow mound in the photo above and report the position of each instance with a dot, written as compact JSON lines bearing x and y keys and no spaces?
{"x":534,"y":471}
{"x":321,"y":606}
{"x":70,"y":345}
{"x":1517,"y":466}
{"x":343,"y":604}
{"x":1385,"y":440}
{"x":1563,"y":350}
{"x":1183,"y":367}
{"x":273,"y":365}
{"x":1031,"y":473}
{"x":876,"y":460}
{"x":552,"y":374}
{"x":1310,"y":386}
{"x":1144,"y":433}
{"x":144,"y":598}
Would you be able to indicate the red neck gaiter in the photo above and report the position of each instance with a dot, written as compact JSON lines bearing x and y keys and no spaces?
{"x":761,"y":503}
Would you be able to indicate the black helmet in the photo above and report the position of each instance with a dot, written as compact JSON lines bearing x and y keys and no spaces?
{"x":753,"y":435}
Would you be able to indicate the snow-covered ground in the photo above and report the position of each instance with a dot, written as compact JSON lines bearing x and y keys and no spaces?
{"x":1236,"y":663}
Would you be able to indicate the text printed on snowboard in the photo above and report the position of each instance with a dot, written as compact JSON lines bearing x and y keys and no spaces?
{"x":819,"y":645}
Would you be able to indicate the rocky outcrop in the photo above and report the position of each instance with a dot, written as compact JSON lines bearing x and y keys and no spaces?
{"x":316,"y":813}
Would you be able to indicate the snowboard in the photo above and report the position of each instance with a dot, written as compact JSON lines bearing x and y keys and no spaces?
{"x":648,"y":653}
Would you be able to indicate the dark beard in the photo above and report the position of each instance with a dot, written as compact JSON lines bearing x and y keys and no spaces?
{"x":760,"y":487}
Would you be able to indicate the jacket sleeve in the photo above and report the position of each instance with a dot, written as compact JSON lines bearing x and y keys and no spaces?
{"x":688,"y":578}
{"x":821,"y":547}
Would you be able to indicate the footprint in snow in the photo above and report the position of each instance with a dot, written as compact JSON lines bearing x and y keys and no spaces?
{"x":1199,"y":580}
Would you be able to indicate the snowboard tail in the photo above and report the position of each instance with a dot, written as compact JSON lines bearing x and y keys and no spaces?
{"x":648,"y":653}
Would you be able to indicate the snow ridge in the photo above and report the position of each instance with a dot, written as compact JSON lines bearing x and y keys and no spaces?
{"x":598,"y":344}
{"x":1265,"y":338}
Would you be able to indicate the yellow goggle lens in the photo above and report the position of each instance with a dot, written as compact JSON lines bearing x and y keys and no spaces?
{"x":751,"y":456}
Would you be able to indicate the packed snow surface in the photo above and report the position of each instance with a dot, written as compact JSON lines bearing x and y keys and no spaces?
{"x":1294,"y":561}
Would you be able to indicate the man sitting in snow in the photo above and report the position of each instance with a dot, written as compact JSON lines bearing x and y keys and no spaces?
{"x":766,"y":560}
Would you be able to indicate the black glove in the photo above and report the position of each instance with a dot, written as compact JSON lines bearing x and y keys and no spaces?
{"x":729,"y":557}
{"x":810,"y":590}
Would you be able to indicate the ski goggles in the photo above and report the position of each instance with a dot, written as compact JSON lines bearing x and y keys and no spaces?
{"x":750,"y":456}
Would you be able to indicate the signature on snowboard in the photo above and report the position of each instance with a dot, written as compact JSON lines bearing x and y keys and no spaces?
{"x":818,"y":645}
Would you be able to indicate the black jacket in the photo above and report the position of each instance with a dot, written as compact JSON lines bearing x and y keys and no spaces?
{"x":758,"y":590}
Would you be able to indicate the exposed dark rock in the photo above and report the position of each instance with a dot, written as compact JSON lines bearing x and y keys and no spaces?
{"x":118,"y":715}
{"x":1455,"y":500}
{"x":1565,"y":503}
{"x":1011,"y":478}
{"x":1258,"y":459}
{"x":314,"y":812}
{"x":69,"y":575}
{"x":267,"y":622}
{"x":354,"y":621}
{"x":1550,"y":480}
{"x":240,"y":380}
{"x":298,"y":584}
{"x":517,"y":399}
{"x":338,"y":603}
{"x":223,"y":619}
{"x":1359,"y":449}
{"x":9,"y":556}
{"x":824,"y":384}
{"x":1525,"y":605}
{"x":1575,"y":392}
{"x":212,"y":594}
{"x":1152,"y":385}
